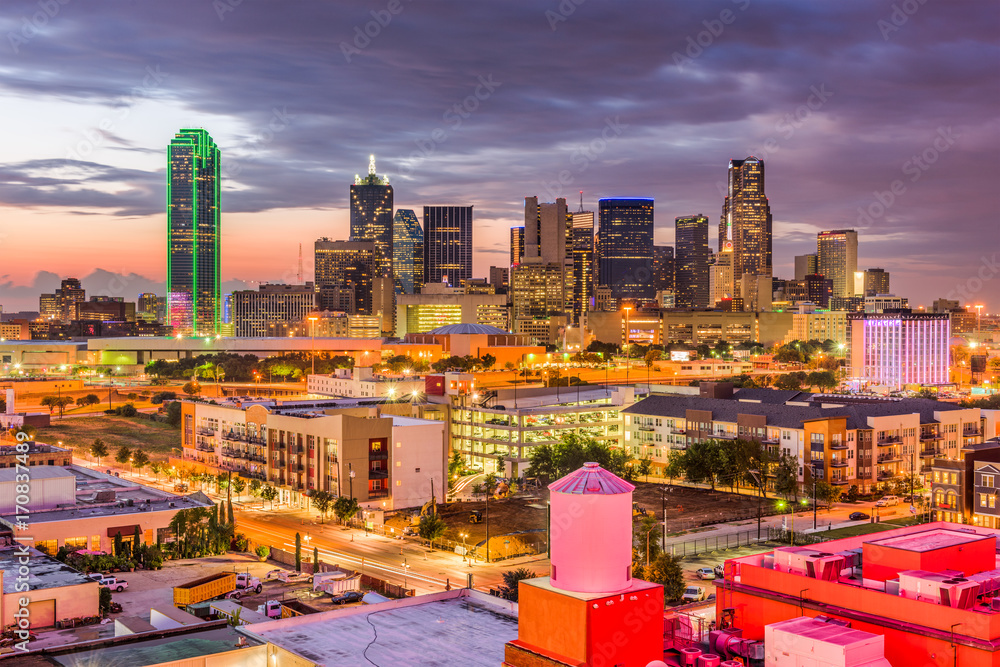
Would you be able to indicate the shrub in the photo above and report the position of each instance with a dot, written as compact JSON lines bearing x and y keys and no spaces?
{"x":262,"y":551}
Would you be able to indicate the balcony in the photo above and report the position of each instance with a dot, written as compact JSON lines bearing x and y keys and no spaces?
{"x":889,"y":440}
{"x":883,"y":476}
{"x":378,"y":474}
{"x":204,"y":430}
{"x":256,"y":458}
{"x":971,"y":433}
{"x":889,"y":458}
{"x":928,"y":452}
{"x":838,"y":446}
{"x":839,"y":481}
{"x":769,"y":441}
{"x":233,"y":453}
{"x":234,"y":436}
{"x":204,"y":448}
{"x":925,"y":470}
{"x":381,"y":493}
{"x":677,"y":431}
{"x":929,"y":437}
{"x":278,"y":445}
{"x":299,"y":468}
{"x":646,"y":428}
{"x":838,"y":463}
{"x":255,"y":440}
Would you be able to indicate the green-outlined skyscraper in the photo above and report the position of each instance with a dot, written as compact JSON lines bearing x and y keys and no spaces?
{"x":194,"y":292}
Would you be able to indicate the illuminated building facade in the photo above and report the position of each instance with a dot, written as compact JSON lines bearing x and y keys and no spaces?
{"x":447,"y":244}
{"x":583,"y":263}
{"x":720,"y":278}
{"x":626,"y":247}
{"x":876,"y":282}
{"x":272,"y":309}
{"x":194,"y":292}
{"x":541,"y":285}
{"x":371,"y":217}
{"x":837,"y":259}
{"x":746,"y":220}
{"x":438,"y":305}
{"x":344,"y":275}
{"x":691,"y":262}
{"x":407,"y":251}
{"x":516,"y":245}
{"x":897,"y":349}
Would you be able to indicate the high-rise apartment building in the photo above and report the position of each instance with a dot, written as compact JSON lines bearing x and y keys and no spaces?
{"x":272,"y":309}
{"x":819,"y":289}
{"x":837,"y":259}
{"x":541,"y":285}
{"x":663,"y":268}
{"x":61,"y":305}
{"x":500,"y":278}
{"x":720,"y":277}
{"x":746,"y":220}
{"x":371,"y":217}
{"x":583,"y":262}
{"x":151,"y":308}
{"x":407,"y":251}
{"x":897,"y":349}
{"x":344,"y":275}
{"x":626,"y":254}
{"x":876,"y":282}
{"x":447,"y":244}
{"x":516,"y":245}
{"x":194,"y":287}
{"x":691,"y":262}
{"x":805,"y":265}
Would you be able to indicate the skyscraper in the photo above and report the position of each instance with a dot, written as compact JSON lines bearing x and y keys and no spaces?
{"x":194,"y":292}
{"x":720,"y":277}
{"x":583,"y":262}
{"x":541,"y":285}
{"x":746,"y":220}
{"x":663,"y":268}
{"x":407,"y":251}
{"x":876,"y":282}
{"x":805,"y":265}
{"x":691,"y":261}
{"x":344,"y":279}
{"x":516,"y":245}
{"x":837,"y":259}
{"x":447,"y":244}
{"x":371,"y":217}
{"x":626,"y":244}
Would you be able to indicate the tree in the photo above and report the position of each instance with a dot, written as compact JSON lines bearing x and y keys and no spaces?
{"x":675,"y":465}
{"x":345,"y":508}
{"x":174,"y":414}
{"x":487,"y":361}
{"x":572,"y":451}
{"x":786,"y":479}
{"x":99,"y":450}
{"x":315,"y":560}
{"x":643,"y":540}
{"x":255,"y":486}
{"x":123,"y":455}
{"x":104,"y":600}
{"x":269,"y":493}
{"x":822,"y":379}
{"x":702,"y":462}
{"x":788,"y":382}
{"x":827,"y":492}
{"x":508,"y":590}
{"x":431,"y":527}
{"x":239,"y":485}
{"x":652,"y":356}
{"x":298,"y":552}
{"x":140,"y":459}
{"x":666,"y":570}
{"x":89,"y":399}
{"x":852,"y":493}
{"x":191,"y":388}
{"x":322,"y":501}
{"x":645,"y":467}
{"x":128,"y":410}
{"x":231,"y":515}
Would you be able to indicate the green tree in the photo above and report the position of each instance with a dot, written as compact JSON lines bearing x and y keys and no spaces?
{"x":315,"y":560}
{"x":231,"y":515}
{"x":487,"y":361}
{"x":645,"y":467}
{"x":269,"y":493}
{"x":675,"y":465}
{"x":239,"y":485}
{"x":99,"y":450}
{"x":345,"y":508}
{"x":827,"y":493}
{"x":431,"y":527}
{"x":666,"y":571}
{"x":572,"y":451}
{"x":644,"y":539}
{"x":255,"y":487}
{"x":511,"y":578}
{"x":702,"y":462}
{"x":652,"y":356}
{"x":127,"y":410}
{"x":322,"y":501}
{"x":104,"y":600}
{"x":786,"y":479}
{"x":298,"y":552}
{"x":140,"y":459}
{"x":174,"y":413}
{"x":123,"y":455}
{"x":191,"y":388}
{"x":788,"y":382}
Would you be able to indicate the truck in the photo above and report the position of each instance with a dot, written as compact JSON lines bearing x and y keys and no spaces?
{"x":335,"y":583}
{"x":206,"y":588}
{"x":246,"y":583}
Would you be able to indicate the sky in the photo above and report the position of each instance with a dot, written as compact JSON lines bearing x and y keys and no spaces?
{"x":873,"y":115}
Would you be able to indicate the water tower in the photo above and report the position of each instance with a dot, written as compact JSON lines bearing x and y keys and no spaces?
{"x":590,"y":611}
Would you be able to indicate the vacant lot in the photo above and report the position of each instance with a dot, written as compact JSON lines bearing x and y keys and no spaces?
{"x":79,"y":433}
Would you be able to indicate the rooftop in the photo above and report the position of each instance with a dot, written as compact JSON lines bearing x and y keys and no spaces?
{"x":591,"y":479}
{"x":153,"y":651}
{"x":44,"y":571}
{"x":35,"y":472}
{"x":929,"y":540}
{"x":412,"y":631}
{"x":468,"y":329}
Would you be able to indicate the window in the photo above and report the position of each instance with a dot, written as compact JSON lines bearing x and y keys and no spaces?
{"x":399,"y":464}
{"x":76,"y":542}
{"x":987,"y":480}
{"x":954,"y":478}
{"x":982,"y":500}
{"x":993,"y":500}
{"x":95,"y":543}
{"x":399,"y":483}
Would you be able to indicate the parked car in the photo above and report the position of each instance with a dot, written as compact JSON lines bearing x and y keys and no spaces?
{"x":858,"y":516}
{"x":97,"y":576}
{"x":887,"y":501}
{"x":719,"y":571}
{"x":693,"y":594}
{"x":114,"y":583}
{"x":705,"y":573}
{"x":348,"y":597}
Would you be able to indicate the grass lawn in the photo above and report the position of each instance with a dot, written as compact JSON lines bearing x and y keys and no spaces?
{"x":155,"y":438}
{"x":866,"y":528}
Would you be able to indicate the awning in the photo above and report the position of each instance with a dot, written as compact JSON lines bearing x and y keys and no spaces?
{"x":126,"y":531}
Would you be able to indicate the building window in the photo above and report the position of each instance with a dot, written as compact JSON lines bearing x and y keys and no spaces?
{"x":982,"y":500}
{"x":987,"y":480}
{"x":993,"y":500}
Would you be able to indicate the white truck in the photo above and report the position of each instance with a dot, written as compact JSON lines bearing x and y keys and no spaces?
{"x":247,"y":583}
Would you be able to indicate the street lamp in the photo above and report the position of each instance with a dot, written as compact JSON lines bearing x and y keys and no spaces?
{"x":465,"y":549}
{"x":312,"y":345}
{"x":405,"y":568}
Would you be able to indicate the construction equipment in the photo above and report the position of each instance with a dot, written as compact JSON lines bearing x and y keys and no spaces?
{"x":638,"y":511}
{"x":475,"y":516}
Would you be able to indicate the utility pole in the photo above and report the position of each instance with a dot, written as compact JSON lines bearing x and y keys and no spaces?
{"x":760,"y":487}
{"x":814,"y":495}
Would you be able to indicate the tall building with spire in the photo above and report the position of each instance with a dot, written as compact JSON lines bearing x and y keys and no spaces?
{"x":371,"y":216}
{"x":194,"y":286}
{"x":407,"y":251}
{"x":746,"y":220}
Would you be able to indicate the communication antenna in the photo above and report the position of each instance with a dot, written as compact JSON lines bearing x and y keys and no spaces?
{"x":581,"y":201}
{"x":371,"y":164}
{"x":300,"y":264}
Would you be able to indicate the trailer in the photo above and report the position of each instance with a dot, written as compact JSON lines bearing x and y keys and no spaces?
{"x":336,"y":583}
{"x":206,"y":588}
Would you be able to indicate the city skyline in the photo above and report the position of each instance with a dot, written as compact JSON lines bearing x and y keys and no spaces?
{"x":495,"y":129}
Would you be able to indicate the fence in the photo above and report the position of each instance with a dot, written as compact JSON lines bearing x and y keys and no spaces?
{"x":694,"y":547}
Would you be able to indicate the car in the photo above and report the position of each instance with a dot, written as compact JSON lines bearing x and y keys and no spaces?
{"x":858,"y":516}
{"x":114,"y":583}
{"x":693,"y":594}
{"x":705,"y":573}
{"x":720,"y":571}
{"x":887,"y":501}
{"x":347,"y":597}
{"x":96,"y":576}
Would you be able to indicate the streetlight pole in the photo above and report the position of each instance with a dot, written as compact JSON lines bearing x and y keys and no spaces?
{"x":627,"y":338}
{"x":350,"y":476}
{"x":760,"y":487}
{"x":814,"y":495}
{"x":312,"y":346}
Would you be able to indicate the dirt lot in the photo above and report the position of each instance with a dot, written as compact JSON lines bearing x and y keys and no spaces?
{"x":686,"y":508}
{"x":79,"y":433}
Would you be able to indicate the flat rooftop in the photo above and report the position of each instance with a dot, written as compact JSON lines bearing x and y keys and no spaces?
{"x":36,"y":472}
{"x":155,"y":651}
{"x":45,"y":571}
{"x":929,"y":540}
{"x":459,"y":628}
